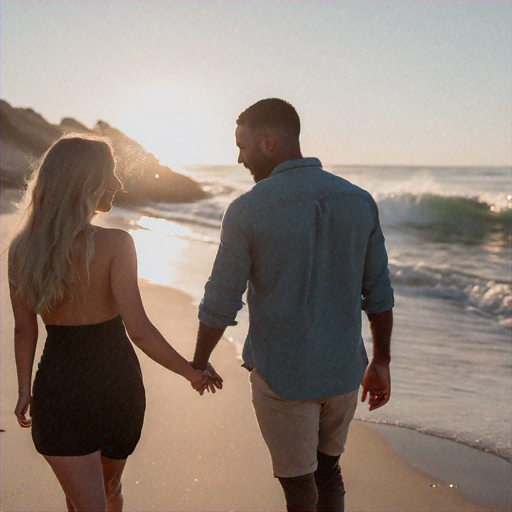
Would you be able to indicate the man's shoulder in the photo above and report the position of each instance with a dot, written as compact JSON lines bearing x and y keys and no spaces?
{"x":242,"y":201}
{"x":335,"y":184}
{"x":239,"y":210}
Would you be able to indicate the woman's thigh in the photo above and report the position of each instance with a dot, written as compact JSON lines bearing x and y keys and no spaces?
{"x":112,"y":473}
{"x":81,"y":479}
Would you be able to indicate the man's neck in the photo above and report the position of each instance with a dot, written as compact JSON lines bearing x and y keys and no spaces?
{"x":284,"y":156}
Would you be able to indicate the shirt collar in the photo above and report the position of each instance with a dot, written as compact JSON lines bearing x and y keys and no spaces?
{"x":295,"y":164}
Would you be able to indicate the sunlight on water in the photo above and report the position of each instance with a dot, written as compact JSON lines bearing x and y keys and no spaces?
{"x":159,"y":243}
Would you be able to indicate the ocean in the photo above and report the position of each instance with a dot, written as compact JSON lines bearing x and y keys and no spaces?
{"x":448,"y":236}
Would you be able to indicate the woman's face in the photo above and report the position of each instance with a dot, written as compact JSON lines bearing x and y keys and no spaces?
{"x":106,"y":200}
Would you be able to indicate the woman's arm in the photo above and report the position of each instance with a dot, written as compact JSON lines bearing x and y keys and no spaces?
{"x":25,"y":341}
{"x":125,"y":288}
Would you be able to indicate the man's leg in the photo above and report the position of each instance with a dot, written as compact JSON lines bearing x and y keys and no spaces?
{"x":290,"y":430}
{"x":329,"y":483}
{"x":335,"y":417}
{"x":300,"y":493}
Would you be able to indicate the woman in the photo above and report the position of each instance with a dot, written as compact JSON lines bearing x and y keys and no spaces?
{"x":87,"y":402}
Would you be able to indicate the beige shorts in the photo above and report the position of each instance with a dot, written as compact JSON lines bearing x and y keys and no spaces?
{"x":295,"y":429}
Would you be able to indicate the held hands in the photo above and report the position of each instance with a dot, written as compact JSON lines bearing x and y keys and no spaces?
{"x":376,"y":384}
{"x":207,"y":379}
{"x":24,"y":404}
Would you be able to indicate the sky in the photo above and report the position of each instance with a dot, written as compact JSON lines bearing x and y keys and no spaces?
{"x":384,"y":82}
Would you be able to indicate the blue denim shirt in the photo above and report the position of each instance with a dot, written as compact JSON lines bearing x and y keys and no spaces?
{"x":310,"y":248}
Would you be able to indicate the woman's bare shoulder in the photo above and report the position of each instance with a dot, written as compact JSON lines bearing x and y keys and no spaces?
{"x":112,"y":239}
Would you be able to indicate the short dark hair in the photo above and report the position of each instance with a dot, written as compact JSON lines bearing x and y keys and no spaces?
{"x":271,"y":113}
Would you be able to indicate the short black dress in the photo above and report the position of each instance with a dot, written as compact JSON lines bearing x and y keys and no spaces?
{"x":88,"y":393}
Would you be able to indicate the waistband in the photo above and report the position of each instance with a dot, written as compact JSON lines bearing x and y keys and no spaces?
{"x":99,"y":326}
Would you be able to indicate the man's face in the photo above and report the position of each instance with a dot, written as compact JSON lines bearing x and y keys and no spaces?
{"x":251,"y":154}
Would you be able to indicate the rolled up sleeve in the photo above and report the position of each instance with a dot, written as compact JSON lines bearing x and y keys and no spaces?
{"x":228,"y":281}
{"x":377,"y":292}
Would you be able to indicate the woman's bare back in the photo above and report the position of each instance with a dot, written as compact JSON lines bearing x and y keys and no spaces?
{"x":95,"y":301}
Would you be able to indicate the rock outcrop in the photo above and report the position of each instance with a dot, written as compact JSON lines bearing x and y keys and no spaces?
{"x":25,"y":135}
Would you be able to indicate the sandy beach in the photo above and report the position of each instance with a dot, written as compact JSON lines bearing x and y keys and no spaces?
{"x":206,"y":453}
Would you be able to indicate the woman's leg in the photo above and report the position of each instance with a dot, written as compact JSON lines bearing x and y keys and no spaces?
{"x":112,"y":472}
{"x":81,"y":479}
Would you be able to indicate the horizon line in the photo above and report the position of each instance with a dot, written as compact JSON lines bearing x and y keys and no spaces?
{"x":413,"y":166}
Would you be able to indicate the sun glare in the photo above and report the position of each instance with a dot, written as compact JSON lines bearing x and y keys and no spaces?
{"x":174,"y":122}
{"x":158,"y":244}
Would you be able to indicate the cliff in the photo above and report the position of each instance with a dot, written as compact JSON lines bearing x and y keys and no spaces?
{"x":25,"y":135}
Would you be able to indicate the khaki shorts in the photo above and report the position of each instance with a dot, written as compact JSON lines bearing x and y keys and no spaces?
{"x":295,"y":429}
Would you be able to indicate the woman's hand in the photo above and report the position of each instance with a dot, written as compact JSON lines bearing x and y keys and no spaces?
{"x":24,"y":404}
{"x":199,"y":380}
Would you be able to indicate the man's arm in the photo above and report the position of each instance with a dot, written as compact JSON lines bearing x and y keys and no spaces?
{"x":381,"y":326}
{"x":377,"y":379}
{"x":207,"y":339}
{"x":378,"y":303}
{"x":224,"y":290}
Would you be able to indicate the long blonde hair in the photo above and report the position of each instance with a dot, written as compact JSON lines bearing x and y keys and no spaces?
{"x":62,"y":196}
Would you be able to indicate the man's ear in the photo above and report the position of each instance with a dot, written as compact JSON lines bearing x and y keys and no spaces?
{"x":268,"y":142}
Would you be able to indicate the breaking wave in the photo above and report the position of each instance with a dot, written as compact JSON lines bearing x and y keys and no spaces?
{"x":489,"y":298}
{"x":457,"y":214}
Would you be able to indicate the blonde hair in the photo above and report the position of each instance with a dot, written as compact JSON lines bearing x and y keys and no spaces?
{"x":62,"y":196}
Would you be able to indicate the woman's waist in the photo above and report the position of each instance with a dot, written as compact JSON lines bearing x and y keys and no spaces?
{"x":114,"y":323}
{"x":103,"y":345}
{"x":103,"y":336}
{"x":64,"y":366}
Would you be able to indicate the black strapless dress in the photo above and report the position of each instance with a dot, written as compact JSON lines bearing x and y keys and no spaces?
{"x":88,"y":393}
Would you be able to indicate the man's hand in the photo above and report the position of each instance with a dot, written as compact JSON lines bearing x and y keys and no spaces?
{"x":376,"y":384}
{"x":213,"y":381}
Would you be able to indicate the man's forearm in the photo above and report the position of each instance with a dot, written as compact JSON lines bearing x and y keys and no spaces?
{"x":207,"y":339}
{"x":381,"y":326}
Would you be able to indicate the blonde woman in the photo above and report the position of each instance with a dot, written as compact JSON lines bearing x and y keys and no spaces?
{"x":87,"y":401}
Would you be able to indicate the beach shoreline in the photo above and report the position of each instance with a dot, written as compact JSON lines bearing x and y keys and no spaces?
{"x":206,"y":453}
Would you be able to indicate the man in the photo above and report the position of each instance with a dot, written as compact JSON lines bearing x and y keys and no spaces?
{"x":310,"y":248}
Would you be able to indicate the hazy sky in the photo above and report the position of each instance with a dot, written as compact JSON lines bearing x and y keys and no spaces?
{"x":422,"y":82}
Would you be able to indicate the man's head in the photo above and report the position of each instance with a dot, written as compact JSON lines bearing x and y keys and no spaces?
{"x":267,"y":134}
